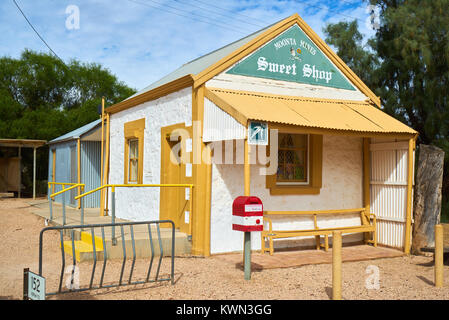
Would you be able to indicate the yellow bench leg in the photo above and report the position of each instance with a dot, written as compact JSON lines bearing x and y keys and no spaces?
{"x":318,"y":242}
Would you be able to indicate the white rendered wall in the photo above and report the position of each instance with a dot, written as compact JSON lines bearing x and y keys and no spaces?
{"x":341,"y":189}
{"x":139,"y":204}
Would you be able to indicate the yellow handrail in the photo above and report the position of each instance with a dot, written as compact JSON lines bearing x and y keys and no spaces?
{"x":73,"y":186}
{"x":89,"y":192}
{"x":357,"y":210}
{"x":62,"y":183}
{"x":132,"y":186}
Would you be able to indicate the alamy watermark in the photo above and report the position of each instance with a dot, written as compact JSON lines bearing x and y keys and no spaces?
{"x":72,"y":22}
{"x":229,"y":151}
{"x":372,"y":281}
{"x":73,"y":280}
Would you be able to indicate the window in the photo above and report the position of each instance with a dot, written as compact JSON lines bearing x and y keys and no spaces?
{"x":292,"y":159}
{"x":133,"y":145}
{"x":299,"y":168}
{"x":133,"y":160}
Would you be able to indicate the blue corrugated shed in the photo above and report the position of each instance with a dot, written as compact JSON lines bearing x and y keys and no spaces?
{"x":66,"y":168}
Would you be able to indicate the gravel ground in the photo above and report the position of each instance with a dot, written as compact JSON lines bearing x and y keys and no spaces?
{"x":204,"y":278}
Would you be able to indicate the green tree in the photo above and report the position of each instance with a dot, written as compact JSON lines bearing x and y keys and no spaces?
{"x":411,"y":73}
{"x":41,"y":97}
{"x":360,"y":57}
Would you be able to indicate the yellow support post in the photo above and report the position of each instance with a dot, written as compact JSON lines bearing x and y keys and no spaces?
{"x":102,"y":158}
{"x":408,"y":217}
{"x":336,"y":265}
{"x":438,"y":256}
{"x":106,"y":170}
{"x":78,"y":146}
{"x":247,"y":169}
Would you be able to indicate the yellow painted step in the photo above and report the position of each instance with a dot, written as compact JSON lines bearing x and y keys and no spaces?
{"x":83,"y":248}
{"x":87,"y":237}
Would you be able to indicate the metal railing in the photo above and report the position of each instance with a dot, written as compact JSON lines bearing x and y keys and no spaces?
{"x":104,"y":251}
{"x":113,"y":186}
{"x":51,"y":185}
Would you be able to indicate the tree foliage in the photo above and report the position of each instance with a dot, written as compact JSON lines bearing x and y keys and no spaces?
{"x":42,"y":98}
{"x":410,"y":65}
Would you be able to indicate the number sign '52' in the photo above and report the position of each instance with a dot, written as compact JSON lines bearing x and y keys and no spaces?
{"x":34,"y":286}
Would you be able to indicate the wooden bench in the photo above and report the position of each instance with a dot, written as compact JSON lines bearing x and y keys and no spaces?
{"x":368,"y":225}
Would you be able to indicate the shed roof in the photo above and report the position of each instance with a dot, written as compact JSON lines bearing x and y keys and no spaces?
{"x":26,"y":143}
{"x":77,"y":133}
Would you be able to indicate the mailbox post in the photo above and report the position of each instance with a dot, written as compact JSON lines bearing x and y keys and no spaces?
{"x":247,"y":216}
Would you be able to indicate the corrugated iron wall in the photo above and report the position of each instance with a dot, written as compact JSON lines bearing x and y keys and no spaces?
{"x":219,"y":125}
{"x":389,"y":190}
{"x":90,"y":171}
{"x":62,"y":169}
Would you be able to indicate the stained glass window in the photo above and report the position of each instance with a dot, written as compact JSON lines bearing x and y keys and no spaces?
{"x":292,"y":158}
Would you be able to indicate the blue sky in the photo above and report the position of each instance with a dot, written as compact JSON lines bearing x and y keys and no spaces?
{"x":140,"y":41}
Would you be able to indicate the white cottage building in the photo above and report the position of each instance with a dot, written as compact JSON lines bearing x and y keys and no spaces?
{"x":334,"y":159}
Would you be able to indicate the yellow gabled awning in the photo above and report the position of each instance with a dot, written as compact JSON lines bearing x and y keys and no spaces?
{"x":317,"y":113}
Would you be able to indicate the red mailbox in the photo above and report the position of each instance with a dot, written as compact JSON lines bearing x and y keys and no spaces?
{"x":247,"y":214}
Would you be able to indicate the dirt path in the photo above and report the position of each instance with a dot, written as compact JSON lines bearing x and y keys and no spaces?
{"x":204,"y":278}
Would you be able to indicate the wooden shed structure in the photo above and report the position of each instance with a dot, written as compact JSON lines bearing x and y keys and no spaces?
{"x":75,"y":157}
{"x":10,"y":167}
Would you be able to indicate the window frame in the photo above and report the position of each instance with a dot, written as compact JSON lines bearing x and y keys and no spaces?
{"x":306,"y":165}
{"x":134,"y":130}
{"x":131,"y":159}
{"x":315,"y":164}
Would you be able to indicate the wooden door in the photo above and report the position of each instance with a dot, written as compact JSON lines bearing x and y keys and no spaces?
{"x":389,"y":168}
{"x":176,"y":168}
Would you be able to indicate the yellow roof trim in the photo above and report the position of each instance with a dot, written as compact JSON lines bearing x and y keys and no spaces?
{"x":311,"y":113}
{"x":271,"y":33}
{"x":158,"y":92}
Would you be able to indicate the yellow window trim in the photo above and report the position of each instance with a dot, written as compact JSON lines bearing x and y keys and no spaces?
{"x":315,"y":167}
{"x":134,"y":130}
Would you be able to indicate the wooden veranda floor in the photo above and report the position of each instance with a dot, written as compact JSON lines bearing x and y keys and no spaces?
{"x":287,"y":259}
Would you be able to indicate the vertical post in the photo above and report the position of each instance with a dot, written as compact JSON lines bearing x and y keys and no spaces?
{"x":102,"y":158}
{"x":190,"y":210}
{"x":20,"y":172}
{"x":336,"y":265}
{"x":50,"y":202}
{"x":82,"y":205}
{"x":114,"y":240}
{"x":408,"y":217}
{"x":34,"y":173}
{"x":438,"y":256}
{"x":63,"y":206}
{"x":78,"y":147}
{"x":247,"y":235}
{"x":106,"y":170}
{"x":25,"y":283}
{"x":366,"y":184}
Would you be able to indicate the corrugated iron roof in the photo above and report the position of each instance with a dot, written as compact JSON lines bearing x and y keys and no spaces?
{"x":75,"y":134}
{"x":199,"y":64}
{"x":359,"y":116}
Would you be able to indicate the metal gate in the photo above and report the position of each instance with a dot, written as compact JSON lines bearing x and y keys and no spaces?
{"x":100,"y":246}
{"x":388,"y":190}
